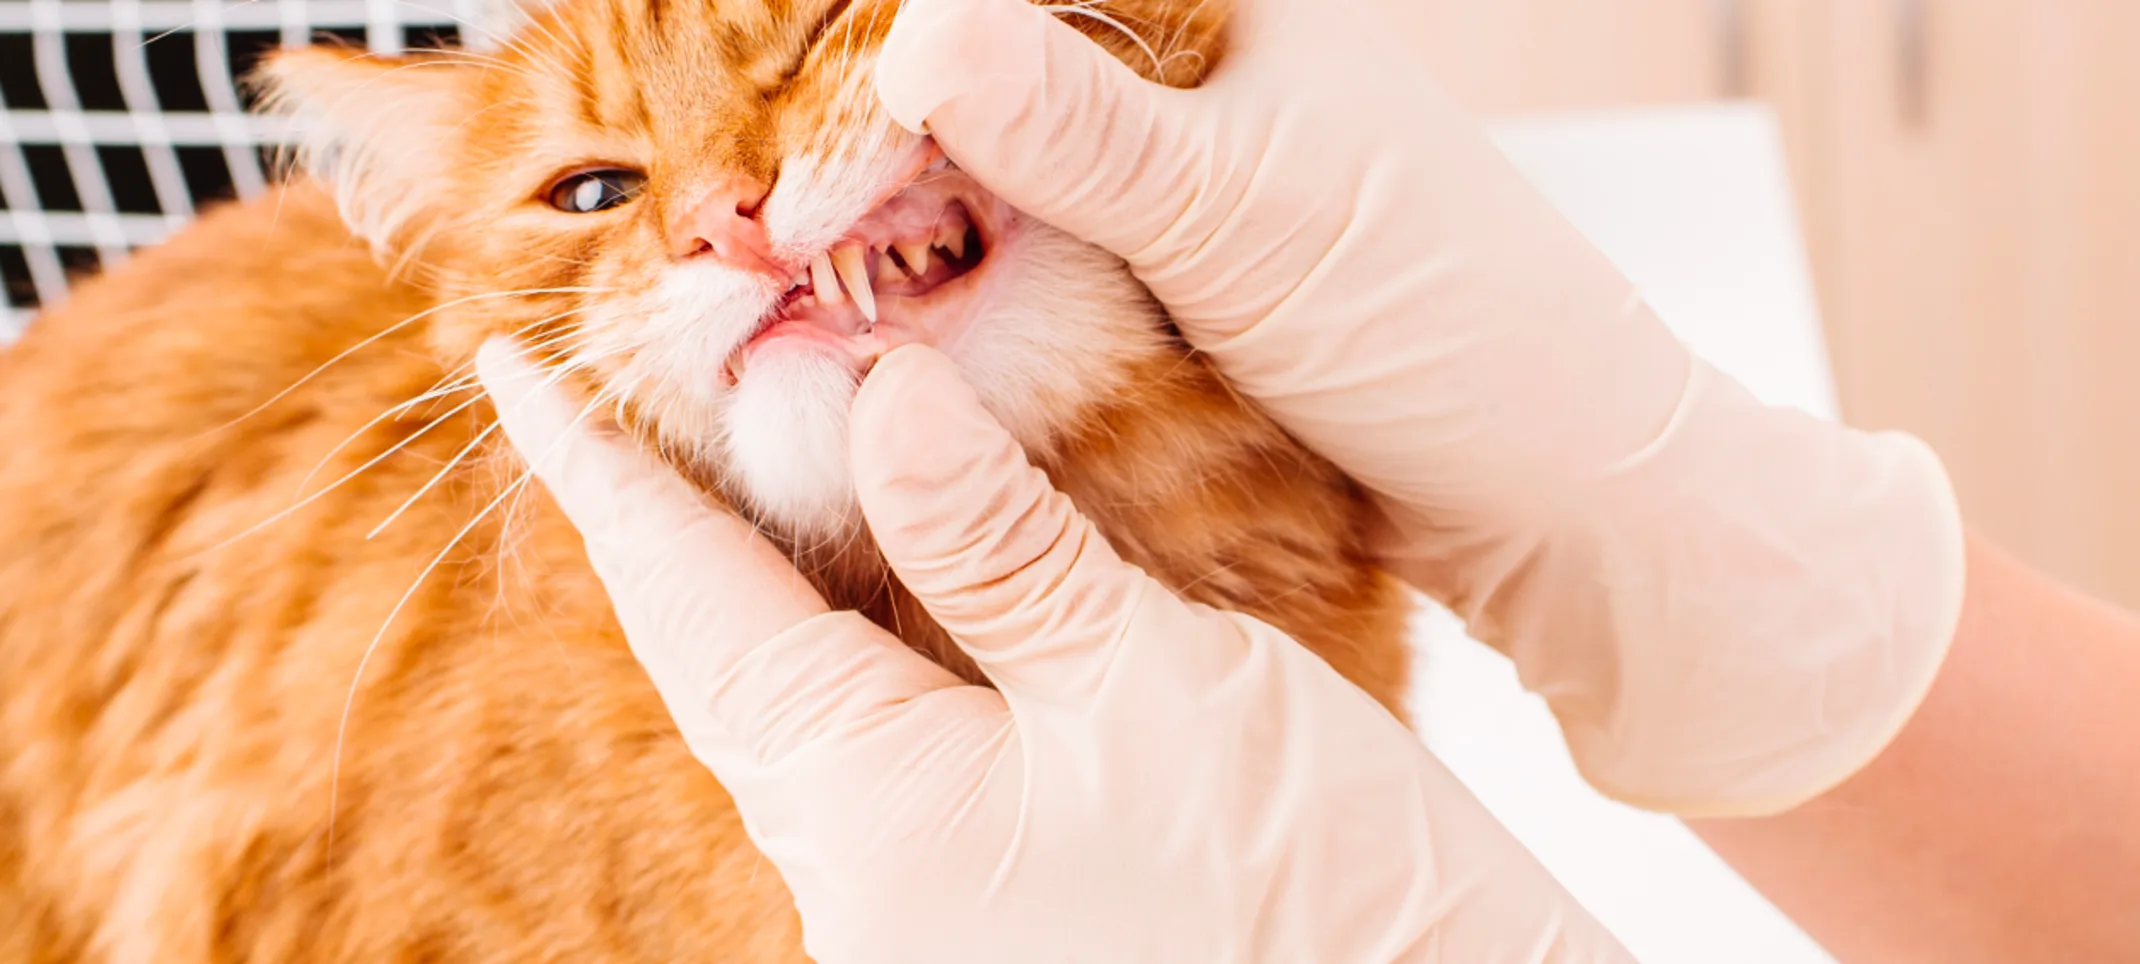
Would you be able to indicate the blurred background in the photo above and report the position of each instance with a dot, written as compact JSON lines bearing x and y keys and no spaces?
{"x":1967,"y":180}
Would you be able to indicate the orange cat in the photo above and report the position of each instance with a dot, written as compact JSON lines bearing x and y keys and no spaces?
{"x":296,"y":664}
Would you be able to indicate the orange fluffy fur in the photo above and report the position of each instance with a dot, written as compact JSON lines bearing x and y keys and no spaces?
{"x":174,"y":673}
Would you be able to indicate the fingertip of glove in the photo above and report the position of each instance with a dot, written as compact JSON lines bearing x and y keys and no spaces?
{"x":903,"y":378}
{"x":938,"y":49}
{"x":914,"y":411}
{"x":909,"y":78}
{"x":534,"y":413}
{"x":500,"y":362}
{"x":942,"y":484}
{"x":906,"y":98}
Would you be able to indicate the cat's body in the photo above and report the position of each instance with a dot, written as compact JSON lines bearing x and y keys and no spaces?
{"x":192,"y":767}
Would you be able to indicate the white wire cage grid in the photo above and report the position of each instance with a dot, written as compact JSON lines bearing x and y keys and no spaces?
{"x":122,"y":117}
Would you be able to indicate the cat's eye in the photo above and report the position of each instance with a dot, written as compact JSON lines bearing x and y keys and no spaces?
{"x":599,"y":190}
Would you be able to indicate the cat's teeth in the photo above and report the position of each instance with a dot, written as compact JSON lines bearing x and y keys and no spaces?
{"x":823,"y":280}
{"x":852,"y":262}
{"x":916,"y":255}
{"x":952,"y":238}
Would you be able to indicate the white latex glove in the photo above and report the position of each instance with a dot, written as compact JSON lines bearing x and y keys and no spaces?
{"x":1154,"y":781}
{"x":1729,"y":607}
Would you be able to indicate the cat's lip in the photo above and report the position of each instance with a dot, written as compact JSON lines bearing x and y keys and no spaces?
{"x":931,"y":307}
{"x":934,"y":316}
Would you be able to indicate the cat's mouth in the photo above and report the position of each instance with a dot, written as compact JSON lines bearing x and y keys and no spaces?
{"x":905,"y":273}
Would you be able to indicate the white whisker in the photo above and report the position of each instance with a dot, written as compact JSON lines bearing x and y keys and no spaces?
{"x":349,"y":704}
{"x":397,"y":326}
{"x":338,"y":483}
{"x":440,"y":475}
{"x":342,"y":729}
{"x":436,"y":477}
{"x":391,"y":413}
{"x":1084,"y":8}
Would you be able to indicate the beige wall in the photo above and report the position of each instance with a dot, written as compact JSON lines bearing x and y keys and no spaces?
{"x":1514,"y":55}
{"x":1974,"y":222}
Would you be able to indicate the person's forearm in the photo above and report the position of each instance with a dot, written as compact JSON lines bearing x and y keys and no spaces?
{"x":2003,"y":824}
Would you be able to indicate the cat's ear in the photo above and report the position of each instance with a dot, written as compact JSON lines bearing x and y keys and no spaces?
{"x":378,"y":130}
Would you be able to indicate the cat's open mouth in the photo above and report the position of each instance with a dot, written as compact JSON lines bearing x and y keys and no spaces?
{"x":902,"y":274}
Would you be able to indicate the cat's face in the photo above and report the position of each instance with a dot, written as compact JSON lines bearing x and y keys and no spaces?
{"x":712,"y":224}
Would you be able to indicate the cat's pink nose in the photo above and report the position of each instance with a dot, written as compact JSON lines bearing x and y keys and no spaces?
{"x":723,"y":225}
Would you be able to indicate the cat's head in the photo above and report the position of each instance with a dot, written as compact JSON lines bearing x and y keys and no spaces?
{"x":678,"y":201}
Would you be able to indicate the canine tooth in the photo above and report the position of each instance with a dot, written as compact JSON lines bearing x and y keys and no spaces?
{"x":852,"y":262}
{"x":952,"y":238}
{"x":916,"y":255}
{"x":822,"y":279}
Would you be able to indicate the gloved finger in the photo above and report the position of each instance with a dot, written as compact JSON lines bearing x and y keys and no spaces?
{"x":1040,"y":114}
{"x":641,"y":521}
{"x":981,"y":537}
{"x":747,"y":654}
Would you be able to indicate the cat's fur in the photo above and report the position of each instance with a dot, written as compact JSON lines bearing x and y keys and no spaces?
{"x":177,"y":653}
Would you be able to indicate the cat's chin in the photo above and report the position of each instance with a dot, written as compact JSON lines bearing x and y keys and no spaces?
{"x":784,"y":439}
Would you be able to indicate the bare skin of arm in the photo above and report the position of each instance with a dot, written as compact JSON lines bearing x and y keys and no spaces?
{"x":2003,"y":824}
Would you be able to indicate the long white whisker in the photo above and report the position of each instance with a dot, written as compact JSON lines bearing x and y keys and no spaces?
{"x":1084,"y":9}
{"x":397,"y":326}
{"x":338,"y":483}
{"x":436,"y":477}
{"x":342,"y":729}
{"x":459,"y":385}
{"x":440,"y":475}
{"x":391,"y":413}
{"x":440,"y":392}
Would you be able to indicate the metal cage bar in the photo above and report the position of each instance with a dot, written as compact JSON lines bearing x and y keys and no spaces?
{"x":68,"y":207}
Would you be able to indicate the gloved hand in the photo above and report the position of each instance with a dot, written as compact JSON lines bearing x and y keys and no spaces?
{"x":1154,"y":780}
{"x":1729,"y":607}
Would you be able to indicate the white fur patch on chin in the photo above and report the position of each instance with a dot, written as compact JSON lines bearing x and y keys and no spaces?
{"x":784,"y":432}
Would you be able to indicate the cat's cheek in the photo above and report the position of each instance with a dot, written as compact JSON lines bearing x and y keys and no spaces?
{"x":784,"y":438}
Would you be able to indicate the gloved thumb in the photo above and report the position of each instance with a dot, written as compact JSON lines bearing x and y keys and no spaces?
{"x":1039,"y":114}
{"x":981,"y":537}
